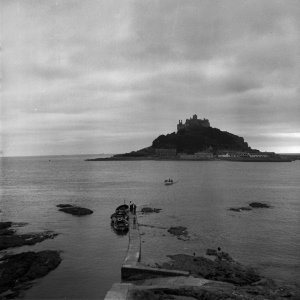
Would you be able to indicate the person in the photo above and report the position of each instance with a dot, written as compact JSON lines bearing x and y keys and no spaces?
{"x":130,"y":206}
{"x":134,"y":208}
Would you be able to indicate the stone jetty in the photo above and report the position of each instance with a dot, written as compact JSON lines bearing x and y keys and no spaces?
{"x":132,"y":269}
{"x":197,"y":277}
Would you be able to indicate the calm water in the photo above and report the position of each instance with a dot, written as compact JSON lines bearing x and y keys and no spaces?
{"x":268,"y":239}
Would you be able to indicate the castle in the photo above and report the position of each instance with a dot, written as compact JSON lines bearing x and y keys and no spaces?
{"x":193,"y":122}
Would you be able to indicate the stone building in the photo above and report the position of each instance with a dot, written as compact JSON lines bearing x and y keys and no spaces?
{"x":193,"y":122}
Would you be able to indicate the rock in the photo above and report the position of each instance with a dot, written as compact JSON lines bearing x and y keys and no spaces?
{"x":4,"y":225}
{"x":7,"y":231}
{"x":18,"y":269}
{"x":150,"y":210}
{"x":245,"y":208}
{"x":235,"y":209}
{"x":259,"y":205}
{"x":179,"y":230}
{"x":74,"y":210}
{"x":17,"y":240}
{"x":212,"y":290}
{"x":218,"y":269}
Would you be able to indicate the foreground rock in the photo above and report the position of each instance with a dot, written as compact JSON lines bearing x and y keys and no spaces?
{"x":215,"y":291}
{"x":150,"y":210}
{"x":218,"y":269}
{"x":74,"y":210}
{"x":18,"y":270}
{"x":227,"y":280}
{"x":180,"y":232}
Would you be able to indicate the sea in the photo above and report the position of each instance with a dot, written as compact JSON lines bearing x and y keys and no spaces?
{"x":267,"y":239}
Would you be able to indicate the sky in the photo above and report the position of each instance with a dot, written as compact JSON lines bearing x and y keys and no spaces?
{"x":81,"y":77}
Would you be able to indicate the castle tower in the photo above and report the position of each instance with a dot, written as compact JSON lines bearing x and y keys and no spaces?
{"x":180,"y":125}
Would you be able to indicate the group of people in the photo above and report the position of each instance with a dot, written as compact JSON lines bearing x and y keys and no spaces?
{"x":132,"y":208}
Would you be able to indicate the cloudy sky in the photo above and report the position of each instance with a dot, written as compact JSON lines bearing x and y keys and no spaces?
{"x":110,"y":76}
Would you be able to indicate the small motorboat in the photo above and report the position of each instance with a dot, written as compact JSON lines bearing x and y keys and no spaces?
{"x":169,"y":181}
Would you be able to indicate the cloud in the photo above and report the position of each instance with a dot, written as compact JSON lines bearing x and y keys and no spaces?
{"x":97,"y":69}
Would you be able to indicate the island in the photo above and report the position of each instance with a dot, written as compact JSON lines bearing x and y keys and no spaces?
{"x":195,"y":139}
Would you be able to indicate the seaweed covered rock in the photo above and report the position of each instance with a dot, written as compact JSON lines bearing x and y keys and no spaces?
{"x":74,"y":210}
{"x":9,"y":239}
{"x":150,"y":210}
{"x":180,"y":232}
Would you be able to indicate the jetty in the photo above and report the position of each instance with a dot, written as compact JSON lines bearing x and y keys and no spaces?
{"x":132,"y":269}
{"x":231,"y":281}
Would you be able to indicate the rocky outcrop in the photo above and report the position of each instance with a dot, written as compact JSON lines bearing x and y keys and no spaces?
{"x":219,"y":269}
{"x":9,"y":238}
{"x":17,"y":240}
{"x":200,"y":139}
{"x":20,"y":269}
{"x":251,"y":205}
{"x":214,"y":290}
{"x":74,"y":210}
{"x":150,"y":210}
{"x":189,"y":139}
{"x":180,"y":232}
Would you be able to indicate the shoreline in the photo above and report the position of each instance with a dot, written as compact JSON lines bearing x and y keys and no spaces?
{"x":179,"y":159}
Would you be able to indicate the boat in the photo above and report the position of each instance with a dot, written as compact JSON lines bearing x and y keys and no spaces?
{"x":122,"y":208}
{"x":169,"y":181}
{"x":120,"y":218}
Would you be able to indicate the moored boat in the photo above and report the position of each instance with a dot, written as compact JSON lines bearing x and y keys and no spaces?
{"x":120,"y":218}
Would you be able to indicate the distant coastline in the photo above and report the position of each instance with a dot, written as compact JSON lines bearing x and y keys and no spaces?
{"x":279,"y":158}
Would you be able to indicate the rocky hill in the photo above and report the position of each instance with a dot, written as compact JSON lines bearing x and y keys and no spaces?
{"x":201,"y":139}
{"x":194,"y":137}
